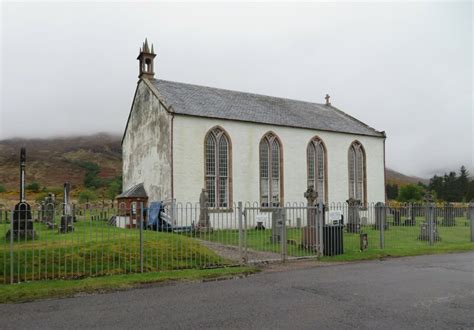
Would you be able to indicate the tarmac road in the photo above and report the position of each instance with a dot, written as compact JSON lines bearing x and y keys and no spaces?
{"x":417,"y":292}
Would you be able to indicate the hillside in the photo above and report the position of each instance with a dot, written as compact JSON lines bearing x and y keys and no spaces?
{"x":53,"y":161}
{"x":394,"y":177}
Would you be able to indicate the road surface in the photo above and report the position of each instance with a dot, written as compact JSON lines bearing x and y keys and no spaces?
{"x":417,"y":292}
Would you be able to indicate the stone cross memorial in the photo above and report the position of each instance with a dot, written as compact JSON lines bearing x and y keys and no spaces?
{"x":204,"y":225}
{"x":310,"y":232}
{"x":22,"y":218}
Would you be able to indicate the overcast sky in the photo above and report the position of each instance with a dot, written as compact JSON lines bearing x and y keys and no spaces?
{"x":405,"y":68}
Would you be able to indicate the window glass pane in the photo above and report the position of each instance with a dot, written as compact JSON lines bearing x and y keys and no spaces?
{"x":223,"y":192}
{"x":310,"y":155}
{"x":211,"y":190}
{"x":351,"y":172}
{"x":210,"y":155}
{"x":275,"y":159}
{"x":223,"y":160}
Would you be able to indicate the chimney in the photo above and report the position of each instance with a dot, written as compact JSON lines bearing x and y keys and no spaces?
{"x":146,"y":58}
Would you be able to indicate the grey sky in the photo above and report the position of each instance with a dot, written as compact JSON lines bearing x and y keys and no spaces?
{"x":405,"y":68}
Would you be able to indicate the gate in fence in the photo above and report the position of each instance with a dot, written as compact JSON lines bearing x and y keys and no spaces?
{"x":169,"y":235}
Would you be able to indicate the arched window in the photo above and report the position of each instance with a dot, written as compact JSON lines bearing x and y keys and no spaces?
{"x":317,"y":168}
{"x":271,"y":174}
{"x":218,"y":167}
{"x":357,"y":175}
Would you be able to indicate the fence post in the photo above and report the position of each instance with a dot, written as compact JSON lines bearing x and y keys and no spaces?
{"x":431,"y":213}
{"x":319,"y":221}
{"x":241,"y":232}
{"x":380,"y":213}
{"x":471,"y":217}
{"x":283,"y":233}
{"x":11,"y":248}
{"x":141,"y":237}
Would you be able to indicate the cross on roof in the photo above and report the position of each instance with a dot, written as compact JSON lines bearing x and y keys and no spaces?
{"x":327,"y":99}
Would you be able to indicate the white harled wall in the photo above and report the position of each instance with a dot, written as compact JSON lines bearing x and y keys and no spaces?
{"x":188,"y":160}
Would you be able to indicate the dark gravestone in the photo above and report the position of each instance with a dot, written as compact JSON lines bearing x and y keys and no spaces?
{"x":448,"y":216}
{"x":353,"y":217}
{"x":22,"y":218}
{"x":380,"y":216}
{"x":48,"y":210}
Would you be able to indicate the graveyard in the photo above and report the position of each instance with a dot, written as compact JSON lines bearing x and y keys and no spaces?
{"x":399,"y":241}
{"x":95,"y":249}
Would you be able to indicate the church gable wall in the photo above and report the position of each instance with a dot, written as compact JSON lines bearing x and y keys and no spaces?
{"x":146,"y":148}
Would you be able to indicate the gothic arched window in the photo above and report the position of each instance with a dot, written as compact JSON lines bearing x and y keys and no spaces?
{"x":218,"y":167}
{"x":357,"y":175}
{"x":271,"y":173}
{"x":317,"y":168}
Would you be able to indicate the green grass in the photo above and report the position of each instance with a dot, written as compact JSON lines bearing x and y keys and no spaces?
{"x":95,"y":249}
{"x":57,"y":288}
{"x":399,"y":241}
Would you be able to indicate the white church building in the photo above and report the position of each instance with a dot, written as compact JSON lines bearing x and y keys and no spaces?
{"x":181,"y":138}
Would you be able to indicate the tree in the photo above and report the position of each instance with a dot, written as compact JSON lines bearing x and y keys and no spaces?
{"x":87,"y":196}
{"x":411,"y":193}
{"x":91,"y":179}
{"x":2,"y":188}
{"x":34,"y":187}
{"x":392,"y":191}
{"x":463,"y":183}
{"x":114,"y":188}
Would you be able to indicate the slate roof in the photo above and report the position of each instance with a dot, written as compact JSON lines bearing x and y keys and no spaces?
{"x":201,"y":101}
{"x":135,"y":192}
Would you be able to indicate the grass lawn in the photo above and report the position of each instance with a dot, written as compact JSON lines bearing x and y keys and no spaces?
{"x":399,"y":241}
{"x":95,"y":248}
{"x":57,"y":288}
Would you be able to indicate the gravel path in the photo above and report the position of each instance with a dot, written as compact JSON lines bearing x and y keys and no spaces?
{"x":231,"y":252}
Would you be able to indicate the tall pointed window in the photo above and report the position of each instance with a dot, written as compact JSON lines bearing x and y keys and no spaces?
{"x":317,"y":177}
{"x":357,"y":175}
{"x":271,"y":175}
{"x":217,"y":167}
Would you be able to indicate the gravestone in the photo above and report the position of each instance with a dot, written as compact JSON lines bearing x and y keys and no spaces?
{"x":22,"y":218}
{"x":278,"y":224}
{"x":67,"y":222}
{"x":204,"y":224}
{"x":411,"y":219}
{"x":309,"y":233}
{"x":430,"y":217}
{"x":48,"y":210}
{"x":353,"y":217}
{"x":380,"y":216}
{"x":448,"y":215}
{"x":396,"y":217}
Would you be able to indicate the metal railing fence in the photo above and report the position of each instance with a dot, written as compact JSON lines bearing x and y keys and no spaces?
{"x":43,"y":242}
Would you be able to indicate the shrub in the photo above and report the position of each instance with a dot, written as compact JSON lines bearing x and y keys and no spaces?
{"x":34,"y":187}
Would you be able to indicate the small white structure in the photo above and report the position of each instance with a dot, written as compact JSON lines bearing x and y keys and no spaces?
{"x":180,"y":138}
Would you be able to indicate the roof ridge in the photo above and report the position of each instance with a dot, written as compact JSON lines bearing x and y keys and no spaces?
{"x":242,"y":92}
